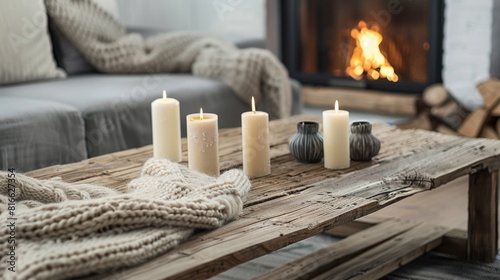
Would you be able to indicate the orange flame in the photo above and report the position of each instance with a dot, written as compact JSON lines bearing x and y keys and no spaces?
{"x":367,"y":57}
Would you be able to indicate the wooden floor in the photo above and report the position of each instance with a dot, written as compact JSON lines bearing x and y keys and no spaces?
{"x":445,"y":206}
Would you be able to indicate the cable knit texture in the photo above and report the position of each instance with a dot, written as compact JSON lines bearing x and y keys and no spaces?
{"x":66,"y":230}
{"x":105,"y":44}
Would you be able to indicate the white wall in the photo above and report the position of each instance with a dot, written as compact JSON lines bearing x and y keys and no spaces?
{"x":226,"y":18}
{"x":467,"y":48}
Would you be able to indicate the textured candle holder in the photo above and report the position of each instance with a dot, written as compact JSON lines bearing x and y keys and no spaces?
{"x":306,"y":145}
{"x":363,"y":144}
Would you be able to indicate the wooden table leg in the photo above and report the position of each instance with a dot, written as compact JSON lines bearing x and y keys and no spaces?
{"x":482,"y":244}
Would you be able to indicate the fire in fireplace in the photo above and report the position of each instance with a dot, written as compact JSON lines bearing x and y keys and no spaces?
{"x":393,"y":45}
{"x":366,"y":58}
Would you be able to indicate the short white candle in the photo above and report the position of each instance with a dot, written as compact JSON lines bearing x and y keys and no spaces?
{"x":203,"y":143}
{"x":336,"y":138}
{"x":255,"y":143}
{"x":165,"y":115}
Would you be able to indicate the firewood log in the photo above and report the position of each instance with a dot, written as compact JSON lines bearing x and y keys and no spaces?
{"x":496,"y":111}
{"x":435,"y":95}
{"x":445,"y":130}
{"x":490,"y":91}
{"x":444,"y":108}
{"x":473,"y":124}
{"x":451,"y":113}
{"x":488,"y":132}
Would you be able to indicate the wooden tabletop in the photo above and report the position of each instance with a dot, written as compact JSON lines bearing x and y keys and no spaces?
{"x":297,"y":200}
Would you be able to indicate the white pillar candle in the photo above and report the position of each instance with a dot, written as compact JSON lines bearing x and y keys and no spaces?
{"x":166,"y":122}
{"x":255,"y":143}
{"x":203,"y":143}
{"x":336,"y":138}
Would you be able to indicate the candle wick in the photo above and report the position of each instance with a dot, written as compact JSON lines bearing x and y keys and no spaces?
{"x":164,"y":94}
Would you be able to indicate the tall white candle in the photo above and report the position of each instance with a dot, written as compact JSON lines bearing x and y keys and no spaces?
{"x":203,"y":143}
{"x":165,"y":115}
{"x":336,"y":138}
{"x":255,"y":143}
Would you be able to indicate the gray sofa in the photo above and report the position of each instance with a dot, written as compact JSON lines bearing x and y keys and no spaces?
{"x":89,"y":113}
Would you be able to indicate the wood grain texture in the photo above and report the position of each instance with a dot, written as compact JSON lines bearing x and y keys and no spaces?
{"x":297,"y":200}
{"x":446,"y":206}
{"x":454,"y":242}
{"x":483,"y":216}
{"x":388,"y":256}
{"x":322,"y":260}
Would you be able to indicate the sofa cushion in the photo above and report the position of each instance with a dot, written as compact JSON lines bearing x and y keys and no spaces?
{"x":25,"y":48}
{"x":36,"y":133}
{"x":117,"y":108}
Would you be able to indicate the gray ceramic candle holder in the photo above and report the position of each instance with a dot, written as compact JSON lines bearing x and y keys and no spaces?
{"x":363,"y":144}
{"x":306,"y":145}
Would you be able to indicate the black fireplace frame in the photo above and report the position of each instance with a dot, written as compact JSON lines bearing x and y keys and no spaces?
{"x":290,"y":53}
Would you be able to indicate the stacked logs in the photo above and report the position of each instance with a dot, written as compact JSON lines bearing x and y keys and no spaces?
{"x":439,"y":111}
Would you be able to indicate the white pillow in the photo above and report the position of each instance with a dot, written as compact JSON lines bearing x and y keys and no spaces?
{"x":25,"y":48}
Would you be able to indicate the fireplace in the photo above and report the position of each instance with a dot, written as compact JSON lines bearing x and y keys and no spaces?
{"x":393,"y":45}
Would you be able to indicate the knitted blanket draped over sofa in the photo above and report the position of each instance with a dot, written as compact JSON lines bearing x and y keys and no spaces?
{"x":103,"y":41}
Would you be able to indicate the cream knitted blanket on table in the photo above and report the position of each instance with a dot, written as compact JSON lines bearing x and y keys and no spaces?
{"x":103,"y":41}
{"x":66,"y":230}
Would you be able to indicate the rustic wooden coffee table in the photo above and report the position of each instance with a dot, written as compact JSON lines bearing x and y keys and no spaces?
{"x":301,"y":200}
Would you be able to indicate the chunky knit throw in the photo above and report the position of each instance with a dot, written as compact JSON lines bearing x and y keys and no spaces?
{"x":66,"y":230}
{"x":105,"y":44}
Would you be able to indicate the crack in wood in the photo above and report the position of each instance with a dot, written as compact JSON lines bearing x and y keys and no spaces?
{"x":415,"y":180}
